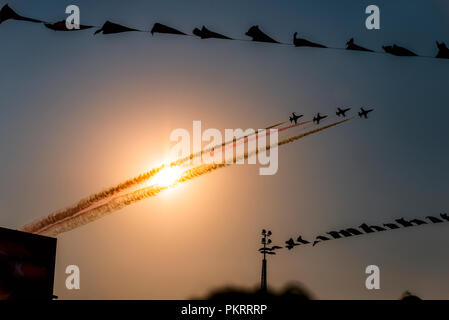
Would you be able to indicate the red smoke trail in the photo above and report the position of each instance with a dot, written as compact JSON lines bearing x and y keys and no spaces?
{"x":253,"y":137}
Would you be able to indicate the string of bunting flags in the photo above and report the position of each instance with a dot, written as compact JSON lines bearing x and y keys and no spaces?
{"x":354,"y":231}
{"x":254,"y":33}
{"x":366,"y":229}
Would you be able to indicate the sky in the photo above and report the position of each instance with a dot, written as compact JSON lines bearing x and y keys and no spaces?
{"x":79,"y":113}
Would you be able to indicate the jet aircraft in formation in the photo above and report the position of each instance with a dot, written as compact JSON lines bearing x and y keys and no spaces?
{"x":294,"y":118}
{"x":341,"y":112}
{"x":364,"y":113}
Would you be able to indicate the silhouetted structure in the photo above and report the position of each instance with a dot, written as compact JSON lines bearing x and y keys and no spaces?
{"x":350,"y":45}
{"x":399,"y":51}
{"x":61,"y":26}
{"x":300,"y":42}
{"x":443,"y":51}
{"x":111,"y":27}
{"x":160,"y":28}
{"x":7,"y":13}
{"x":205,"y":33}
{"x":27,"y":265}
{"x":257,"y":35}
{"x":265,"y":241}
{"x":266,"y":250}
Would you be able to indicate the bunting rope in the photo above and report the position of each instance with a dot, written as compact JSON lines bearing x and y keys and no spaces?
{"x":361,"y":230}
{"x":256,"y":35}
{"x":364,"y":229}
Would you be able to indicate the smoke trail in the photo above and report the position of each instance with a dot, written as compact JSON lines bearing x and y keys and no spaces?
{"x":294,"y":138}
{"x":85,"y":203}
{"x":91,"y":200}
{"x":53,"y":226}
{"x":120,"y":202}
{"x":226,"y":143}
{"x":275,"y":125}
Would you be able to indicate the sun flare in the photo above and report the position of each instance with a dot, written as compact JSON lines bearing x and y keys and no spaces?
{"x":166,"y":177}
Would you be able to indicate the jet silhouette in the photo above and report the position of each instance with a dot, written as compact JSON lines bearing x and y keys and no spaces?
{"x":60,"y":26}
{"x":110,"y":27}
{"x":342,"y":112}
{"x":318,"y":118}
{"x":299,"y":42}
{"x":443,"y":51}
{"x":257,"y":35}
{"x":364,"y":113}
{"x":205,"y":33}
{"x":295,"y":118}
{"x":399,"y":51}
{"x":160,"y":28}
{"x":7,"y":13}
{"x":350,"y":45}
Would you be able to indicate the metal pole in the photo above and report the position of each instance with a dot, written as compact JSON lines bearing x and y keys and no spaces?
{"x":263,"y":280}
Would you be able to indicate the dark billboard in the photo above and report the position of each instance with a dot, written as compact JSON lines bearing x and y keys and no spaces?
{"x":27,"y":265}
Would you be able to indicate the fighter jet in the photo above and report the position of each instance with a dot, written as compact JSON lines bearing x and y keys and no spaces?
{"x":364,"y":113}
{"x":318,"y":118}
{"x":295,"y":118}
{"x":342,"y":112}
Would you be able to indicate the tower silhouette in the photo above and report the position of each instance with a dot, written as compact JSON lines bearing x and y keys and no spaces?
{"x":263,"y":280}
{"x":266,"y":250}
{"x":265,"y":240}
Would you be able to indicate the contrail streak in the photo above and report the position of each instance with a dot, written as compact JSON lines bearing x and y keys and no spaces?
{"x":244,"y":138}
{"x":118,"y":202}
{"x":106,"y":194}
{"x":64,"y":221}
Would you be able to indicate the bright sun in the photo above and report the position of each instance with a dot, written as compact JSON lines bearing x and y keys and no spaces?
{"x":166,"y":176}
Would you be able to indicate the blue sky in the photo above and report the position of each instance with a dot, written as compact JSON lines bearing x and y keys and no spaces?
{"x":80,"y":112}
